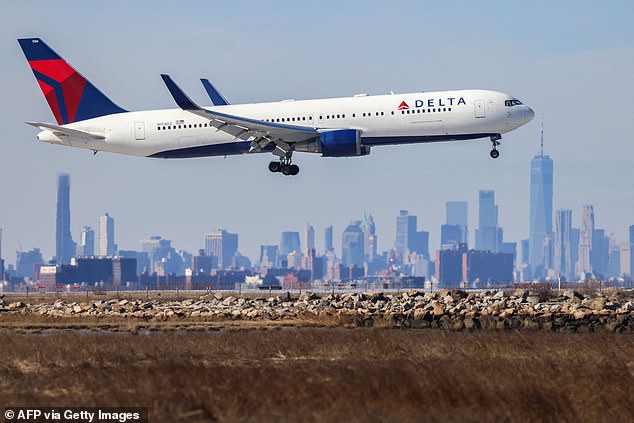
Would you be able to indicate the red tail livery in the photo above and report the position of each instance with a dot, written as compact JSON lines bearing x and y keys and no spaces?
{"x":70,"y":96}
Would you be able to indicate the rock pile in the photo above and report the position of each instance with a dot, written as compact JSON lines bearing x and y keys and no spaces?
{"x":446,"y":309}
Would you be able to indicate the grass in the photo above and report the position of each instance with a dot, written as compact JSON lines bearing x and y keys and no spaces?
{"x":318,"y":374}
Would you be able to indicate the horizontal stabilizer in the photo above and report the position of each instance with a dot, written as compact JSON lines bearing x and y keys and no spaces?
{"x":217,"y":99}
{"x":73,"y":133}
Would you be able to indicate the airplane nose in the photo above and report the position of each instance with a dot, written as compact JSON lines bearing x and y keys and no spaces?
{"x":529,"y":114}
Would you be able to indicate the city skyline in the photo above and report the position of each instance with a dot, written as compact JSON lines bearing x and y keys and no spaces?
{"x":572,"y":252}
{"x":182,"y":199}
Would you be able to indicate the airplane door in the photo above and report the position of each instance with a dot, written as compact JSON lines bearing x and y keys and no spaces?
{"x":139,"y":130}
{"x":479,"y":109}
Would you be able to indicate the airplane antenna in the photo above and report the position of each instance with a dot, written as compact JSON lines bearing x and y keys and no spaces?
{"x":541,"y":152}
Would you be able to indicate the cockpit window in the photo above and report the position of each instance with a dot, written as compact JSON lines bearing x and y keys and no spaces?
{"x":509,"y":103}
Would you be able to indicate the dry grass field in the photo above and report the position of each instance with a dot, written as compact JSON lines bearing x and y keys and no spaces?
{"x":326,"y":374}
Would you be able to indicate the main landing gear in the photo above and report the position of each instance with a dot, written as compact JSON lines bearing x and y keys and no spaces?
{"x":284,"y":166}
{"x":494,"y":152}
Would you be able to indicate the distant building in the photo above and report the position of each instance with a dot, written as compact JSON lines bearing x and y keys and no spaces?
{"x":408,"y":239}
{"x":203,"y":264}
{"x":0,"y":243}
{"x":450,"y":237}
{"x":631,"y":251}
{"x":541,"y":208}
{"x":329,"y":246}
{"x":112,"y":272}
{"x":457,"y":214}
{"x":352,"y":245}
{"x":488,"y":235}
{"x":599,"y":253}
{"x":26,"y":261}
{"x":288,"y":243}
{"x":626,"y":259}
{"x":369,"y":237}
{"x":142,"y":260}
{"x":64,"y":245}
{"x":308,"y":241}
{"x":223,"y":245}
{"x":314,"y":264}
{"x":107,"y":246}
{"x":269,"y":256}
{"x":562,"y":248}
{"x":585,"y":241}
{"x":469,"y":268}
{"x":86,"y":245}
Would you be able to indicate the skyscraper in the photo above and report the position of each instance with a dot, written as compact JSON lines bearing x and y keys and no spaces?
{"x":457,"y":214}
{"x":289,"y":243}
{"x":599,"y":252}
{"x":268,"y":256}
{"x":541,"y":206}
{"x":64,"y":245}
{"x":585,"y":241}
{"x":352,"y":244}
{"x":369,"y":234}
{"x":328,"y":239}
{"x":86,"y":242}
{"x":0,"y":243}
{"x":632,"y":251}
{"x":223,"y":245}
{"x":563,"y":243}
{"x":488,"y":234}
{"x":107,"y":247}
{"x":308,"y":241}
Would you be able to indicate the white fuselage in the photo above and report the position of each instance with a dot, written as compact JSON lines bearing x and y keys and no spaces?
{"x":381,"y":120}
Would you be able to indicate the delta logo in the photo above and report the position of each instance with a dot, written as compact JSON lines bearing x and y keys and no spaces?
{"x":403,"y":106}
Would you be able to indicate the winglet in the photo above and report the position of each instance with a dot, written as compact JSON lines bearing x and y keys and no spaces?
{"x":216,"y":98}
{"x":183,"y":101}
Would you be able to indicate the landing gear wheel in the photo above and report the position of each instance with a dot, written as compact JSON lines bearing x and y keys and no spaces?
{"x":494,"y":154}
{"x":294,"y":169}
{"x":275,"y":167}
{"x":286,"y":170}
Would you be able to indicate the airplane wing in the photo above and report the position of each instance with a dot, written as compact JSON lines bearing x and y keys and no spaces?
{"x":260,"y":133}
{"x":60,"y":130}
{"x":216,"y":98}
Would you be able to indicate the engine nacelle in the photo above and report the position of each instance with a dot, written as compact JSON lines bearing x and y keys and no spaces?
{"x":342,"y":143}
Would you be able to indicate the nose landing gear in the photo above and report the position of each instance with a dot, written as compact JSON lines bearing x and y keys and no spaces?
{"x":284,"y":166}
{"x":494,"y":140}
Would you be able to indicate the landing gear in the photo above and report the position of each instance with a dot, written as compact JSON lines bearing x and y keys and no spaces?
{"x":494,"y":152}
{"x":284,"y":166}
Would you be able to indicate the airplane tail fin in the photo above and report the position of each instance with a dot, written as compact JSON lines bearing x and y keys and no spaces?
{"x":70,"y":96}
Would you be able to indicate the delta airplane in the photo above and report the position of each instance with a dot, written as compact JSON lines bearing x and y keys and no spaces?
{"x":335,"y":127}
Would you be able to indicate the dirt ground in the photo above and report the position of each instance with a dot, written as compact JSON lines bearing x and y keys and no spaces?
{"x":310,"y":374}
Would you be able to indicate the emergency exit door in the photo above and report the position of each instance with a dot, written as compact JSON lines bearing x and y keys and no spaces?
{"x":479,"y":109}
{"x":139,"y":130}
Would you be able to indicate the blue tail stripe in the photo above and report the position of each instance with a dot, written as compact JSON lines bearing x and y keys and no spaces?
{"x":59,"y":93}
{"x":216,"y":98}
{"x":36,"y":49}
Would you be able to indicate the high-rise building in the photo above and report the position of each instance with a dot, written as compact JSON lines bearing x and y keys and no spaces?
{"x":575,"y":234}
{"x":352,"y":244}
{"x":86,"y":245}
{"x":488,"y":235}
{"x":64,"y":245}
{"x":408,"y":239}
{"x":405,"y":229}
{"x":585,"y":241}
{"x":289,"y":243}
{"x":329,"y":246}
{"x":107,"y":247}
{"x":268,"y":256}
{"x":599,"y":252}
{"x":223,"y":245}
{"x":450,"y":237}
{"x":541,"y":207}
{"x":631,"y":251}
{"x":369,"y":234}
{"x":26,"y":261}
{"x":0,"y":243}
{"x":563,"y":244}
{"x":457,"y":214}
{"x":308,"y":241}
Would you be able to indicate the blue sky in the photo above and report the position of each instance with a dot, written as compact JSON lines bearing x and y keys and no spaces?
{"x":572,"y":62}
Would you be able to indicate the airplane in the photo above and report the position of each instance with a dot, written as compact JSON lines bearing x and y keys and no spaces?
{"x":332,"y":127}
